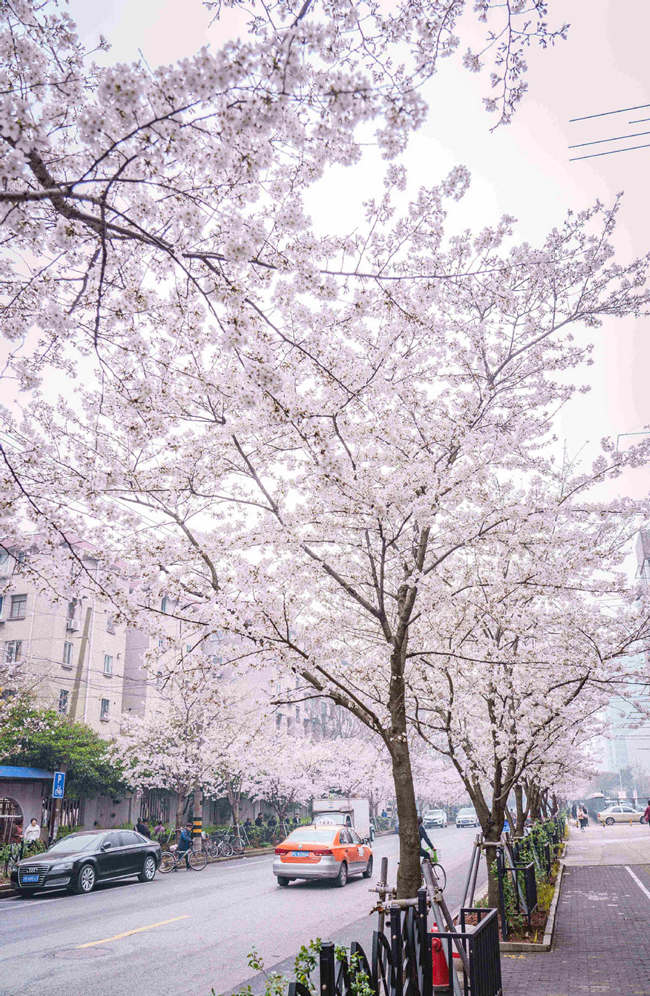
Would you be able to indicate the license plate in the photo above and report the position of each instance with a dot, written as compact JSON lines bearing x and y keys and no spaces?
{"x":29,"y":878}
{"x":300,"y":854}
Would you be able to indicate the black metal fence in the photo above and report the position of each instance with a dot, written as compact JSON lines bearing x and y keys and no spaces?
{"x":401,"y":962}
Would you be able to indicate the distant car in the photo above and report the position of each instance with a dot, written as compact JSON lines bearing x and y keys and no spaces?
{"x":466,"y":817}
{"x":80,"y":860}
{"x":333,"y":852}
{"x":622,"y":813}
{"x":434,"y":818}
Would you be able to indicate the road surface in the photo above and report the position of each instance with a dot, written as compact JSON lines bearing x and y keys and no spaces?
{"x":190,"y":932}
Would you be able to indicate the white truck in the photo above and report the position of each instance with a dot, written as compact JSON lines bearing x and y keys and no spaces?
{"x":350,"y":812}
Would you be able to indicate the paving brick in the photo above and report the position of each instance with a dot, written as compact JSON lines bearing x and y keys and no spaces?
{"x":602,"y":938}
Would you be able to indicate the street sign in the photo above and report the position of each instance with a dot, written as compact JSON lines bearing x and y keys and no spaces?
{"x":58,"y":785}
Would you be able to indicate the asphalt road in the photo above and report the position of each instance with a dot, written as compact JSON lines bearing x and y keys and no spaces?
{"x":189,"y":932}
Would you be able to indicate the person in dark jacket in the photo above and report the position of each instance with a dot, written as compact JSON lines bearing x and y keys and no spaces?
{"x":646,"y":813}
{"x":142,"y":827}
{"x":423,"y":835}
{"x":185,"y":843}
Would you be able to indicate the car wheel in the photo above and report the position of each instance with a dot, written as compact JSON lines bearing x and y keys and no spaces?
{"x":148,"y":872}
{"x":609,"y":821}
{"x":342,"y":877}
{"x":283,"y":880}
{"x":641,"y":820}
{"x":368,"y":872}
{"x":86,"y":879}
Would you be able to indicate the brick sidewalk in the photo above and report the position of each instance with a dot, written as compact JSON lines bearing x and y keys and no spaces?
{"x":602,"y":935}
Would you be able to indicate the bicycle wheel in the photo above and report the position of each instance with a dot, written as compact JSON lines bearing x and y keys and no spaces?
{"x":441,"y":875}
{"x":197,"y":860}
{"x":225,"y":849}
{"x":167,"y":862}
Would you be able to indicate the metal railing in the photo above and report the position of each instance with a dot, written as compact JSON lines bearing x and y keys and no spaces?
{"x":400,"y":963}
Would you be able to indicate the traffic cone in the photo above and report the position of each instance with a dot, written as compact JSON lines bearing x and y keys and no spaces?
{"x":439,"y":967}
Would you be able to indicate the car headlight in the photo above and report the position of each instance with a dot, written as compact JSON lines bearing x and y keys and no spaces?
{"x":58,"y":869}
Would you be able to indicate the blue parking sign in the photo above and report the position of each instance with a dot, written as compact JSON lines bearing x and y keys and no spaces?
{"x":58,"y":785}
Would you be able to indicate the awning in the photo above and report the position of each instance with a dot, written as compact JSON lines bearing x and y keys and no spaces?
{"x":16,"y":772}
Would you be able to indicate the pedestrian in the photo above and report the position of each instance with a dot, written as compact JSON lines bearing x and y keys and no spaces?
{"x":17,"y":836}
{"x":185,"y":843}
{"x":158,"y":830}
{"x":248,"y":823}
{"x":32,"y":833}
{"x":141,"y":827}
{"x":583,"y":818}
{"x":646,"y":813}
{"x":259,"y":822}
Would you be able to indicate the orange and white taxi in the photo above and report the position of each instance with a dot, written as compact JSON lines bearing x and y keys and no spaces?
{"x":326,"y":851}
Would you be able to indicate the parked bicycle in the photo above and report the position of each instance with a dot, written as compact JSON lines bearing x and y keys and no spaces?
{"x":218,"y":846}
{"x":170,"y":860}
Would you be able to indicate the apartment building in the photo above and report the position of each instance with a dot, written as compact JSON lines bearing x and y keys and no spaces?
{"x":77,"y":658}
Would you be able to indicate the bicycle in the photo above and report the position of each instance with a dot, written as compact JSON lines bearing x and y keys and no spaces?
{"x":238,"y":840}
{"x":170,"y":860}
{"x":438,"y":870}
{"x":218,"y":846}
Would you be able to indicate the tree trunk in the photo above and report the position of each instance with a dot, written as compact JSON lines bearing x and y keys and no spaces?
{"x":521,"y":815}
{"x":180,"y":806}
{"x":408,"y":873}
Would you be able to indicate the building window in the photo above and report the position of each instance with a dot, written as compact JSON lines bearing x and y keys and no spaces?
{"x":67,"y":654}
{"x":110,"y":623}
{"x":63,"y":701}
{"x":108,"y":664}
{"x":103,"y":710}
{"x":163,"y":603}
{"x":278,"y":720}
{"x":13,"y":651}
{"x":18,"y":607}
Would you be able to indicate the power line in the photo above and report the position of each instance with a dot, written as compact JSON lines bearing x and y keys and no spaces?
{"x":615,"y":138}
{"x":594,"y":155}
{"x":638,"y":120}
{"x":604,"y":114}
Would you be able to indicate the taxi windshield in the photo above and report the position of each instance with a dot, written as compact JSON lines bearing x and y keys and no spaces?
{"x":313,"y":835}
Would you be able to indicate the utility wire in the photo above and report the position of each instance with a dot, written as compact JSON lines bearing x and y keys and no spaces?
{"x":604,"y":114}
{"x":615,"y":138}
{"x":611,"y":152}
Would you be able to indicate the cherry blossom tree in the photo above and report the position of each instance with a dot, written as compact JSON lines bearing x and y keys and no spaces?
{"x":308,"y":442}
{"x":285,"y":773}
{"x":195,"y":741}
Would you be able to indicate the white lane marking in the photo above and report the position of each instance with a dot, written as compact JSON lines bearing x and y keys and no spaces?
{"x":638,"y":882}
{"x":18,"y":904}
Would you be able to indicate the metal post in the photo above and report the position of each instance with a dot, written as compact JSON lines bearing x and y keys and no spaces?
{"x":382,"y":886}
{"x":502,"y":901}
{"x":327,"y":970}
{"x":442,"y":917}
{"x":466,"y":891}
{"x":424,"y":968}
{"x":396,"y":950}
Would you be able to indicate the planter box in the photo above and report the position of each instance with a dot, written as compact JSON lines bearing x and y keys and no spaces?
{"x":507,"y":947}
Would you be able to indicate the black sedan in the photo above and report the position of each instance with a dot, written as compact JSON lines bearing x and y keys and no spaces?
{"x":80,"y":860}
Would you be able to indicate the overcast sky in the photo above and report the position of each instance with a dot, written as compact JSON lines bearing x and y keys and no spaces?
{"x":523,"y":170}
